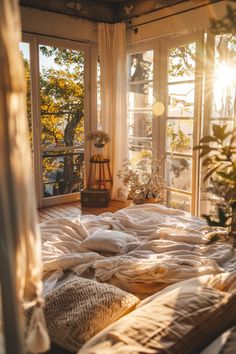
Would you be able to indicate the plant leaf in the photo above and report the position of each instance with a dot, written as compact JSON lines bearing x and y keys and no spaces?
{"x":219,"y":131}
{"x":226,"y":175}
{"x":222,"y":217}
{"x":230,"y":195}
{"x":210,"y":221}
{"x":205,"y":151}
{"x":208,"y":139}
{"x":213,"y":239}
{"x":209,"y":173}
{"x":207,"y":161}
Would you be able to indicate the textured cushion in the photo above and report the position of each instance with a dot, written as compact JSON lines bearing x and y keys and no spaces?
{"x":183,"y":320}
{"x":108,"y":241}
{"x":79,"y":309}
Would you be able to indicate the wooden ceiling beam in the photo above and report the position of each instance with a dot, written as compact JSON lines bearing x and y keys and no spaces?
{"x":89,"y":9}
{"x":110,"y":11}
{"x":136,"y":8}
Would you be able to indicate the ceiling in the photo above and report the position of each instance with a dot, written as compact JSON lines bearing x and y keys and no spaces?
{"x":102,"y":11}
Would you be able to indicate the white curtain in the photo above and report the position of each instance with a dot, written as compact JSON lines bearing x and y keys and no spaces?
{"x":20,"y":255}
{"x":112,"y":54}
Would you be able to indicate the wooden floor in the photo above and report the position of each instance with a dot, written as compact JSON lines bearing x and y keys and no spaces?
{"x":75,"y":209}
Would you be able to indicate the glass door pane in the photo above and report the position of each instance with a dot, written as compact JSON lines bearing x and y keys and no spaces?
{"x":224,"y":77}
{"x":25,"y":53}
{"x":219,"y":109}
{"x":140,"y":104}
{"x":62,"y":119}
{"x":179,"y":124}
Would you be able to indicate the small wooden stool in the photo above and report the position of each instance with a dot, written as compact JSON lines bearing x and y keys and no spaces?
{"x":99,"y":174}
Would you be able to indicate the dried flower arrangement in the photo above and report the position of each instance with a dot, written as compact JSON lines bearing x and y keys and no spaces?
{"x":143,"y":182}
{"x":99,"y":138}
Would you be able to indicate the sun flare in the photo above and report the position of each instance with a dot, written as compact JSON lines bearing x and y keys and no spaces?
{"x":226,"y":75}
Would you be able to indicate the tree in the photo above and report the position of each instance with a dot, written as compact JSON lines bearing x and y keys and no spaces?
{"x":182,"y":61}
{"x":227,"y":24}
{"x":28,"y":95}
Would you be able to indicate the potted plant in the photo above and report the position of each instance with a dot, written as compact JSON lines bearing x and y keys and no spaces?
{"x":142,"y":182}
{"x":99,"y":139}
{"x":219,"y":158}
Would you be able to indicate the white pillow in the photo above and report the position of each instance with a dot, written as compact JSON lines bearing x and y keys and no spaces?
{"x":108,"y":241}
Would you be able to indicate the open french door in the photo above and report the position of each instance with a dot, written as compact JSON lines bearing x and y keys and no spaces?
{"x":58,"y":76}
{"x":181,"y":121}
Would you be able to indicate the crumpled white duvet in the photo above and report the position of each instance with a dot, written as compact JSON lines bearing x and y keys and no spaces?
{"x":171,"y":246}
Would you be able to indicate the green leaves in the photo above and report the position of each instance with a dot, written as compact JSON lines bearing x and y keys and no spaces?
{"x":223,"y":217}
{"x":219,"y":132}
{"x":208,"y":139}
{"x":219,"y":157}
{"x":230,"y":195}
{"x":210,"y":172}
{"x":218,"y":153}
{"x":227,"y":24}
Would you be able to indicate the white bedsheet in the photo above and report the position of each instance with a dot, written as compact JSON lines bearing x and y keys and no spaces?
{"x":171,"y":246}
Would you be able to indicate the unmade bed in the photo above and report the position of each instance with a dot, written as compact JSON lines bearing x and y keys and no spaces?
{"x":125,"y":265}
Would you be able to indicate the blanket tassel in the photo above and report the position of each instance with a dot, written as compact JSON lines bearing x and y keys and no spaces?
{"x":37,"y":340}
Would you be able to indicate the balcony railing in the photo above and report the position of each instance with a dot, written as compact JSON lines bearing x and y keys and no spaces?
{"x":63,"y":172}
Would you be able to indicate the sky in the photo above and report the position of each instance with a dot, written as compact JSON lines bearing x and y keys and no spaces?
{"x":47,"y":62}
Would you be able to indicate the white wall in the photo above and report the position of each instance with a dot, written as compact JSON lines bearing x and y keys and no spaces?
{"x":64,"y":26}
{"x":187,"y":22}
{"x":58,"y":25}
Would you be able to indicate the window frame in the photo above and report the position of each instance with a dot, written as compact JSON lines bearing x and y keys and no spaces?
{"x":159,"y":124}
{"x":89,"y":107}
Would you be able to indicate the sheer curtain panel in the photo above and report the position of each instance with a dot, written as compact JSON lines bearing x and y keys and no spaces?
{"x":20,"y":256}
{"x":112,"y":56}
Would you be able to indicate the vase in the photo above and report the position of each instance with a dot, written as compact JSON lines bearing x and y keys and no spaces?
{"x":145,"y":200}
{"x":150,"y":200}
{"x":98,"y":152}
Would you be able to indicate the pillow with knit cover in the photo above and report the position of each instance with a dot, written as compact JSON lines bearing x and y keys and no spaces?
{"x":79,"y":309}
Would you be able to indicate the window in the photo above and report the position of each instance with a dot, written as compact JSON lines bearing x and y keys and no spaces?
{"x":25,"y":52}
{"x":194,"y":79}
{"x":179,"y":119}
{"x":220,"y":99}
{"x":55,"y":71}
{"x":223,"y":107}
{"x":99,"y":125}
{"x":163,"y":111}
{"x":140,"y":104}
{"x":62,"y":119}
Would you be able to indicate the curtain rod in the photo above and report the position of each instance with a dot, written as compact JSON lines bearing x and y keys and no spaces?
{"x":135,"y":29}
